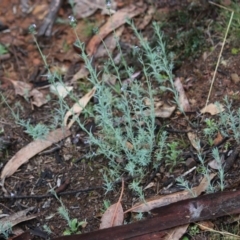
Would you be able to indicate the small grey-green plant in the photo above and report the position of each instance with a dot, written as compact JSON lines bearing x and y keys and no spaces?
{"x":221,"y":174}
{"x":5,"y":229}
{"x":73,"y":224}
{"x":106,"y":205}
{"x":139,"y":216}
{"x":230,"y":121}
{"x":172,"y":155}
{"x":206,"y":173}
{"x":210,"y":130}
{"x":47,"y":229}
{"x":39,"y":131}
{"x":194,"y":230}
{"x":184,"y":183}
{"x":126,"y":124}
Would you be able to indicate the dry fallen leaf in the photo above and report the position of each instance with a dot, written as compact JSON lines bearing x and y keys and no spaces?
{"x":60,"y":89}
{"x":160,"y":201}
{"x":81,"y":74}
{"x":213,"y":109}
{"x":214,"y":164}
{"x":165,"y":111}
{"x":205,"y":225}
{"x":182,"y":96}
{"x":218,"y":139}
{"x":113,"y":216}
{"x":77,"y":108}
{"x":85,"y":8}
{"x":23,"y":155}
{"x":111,"y":42}
{"x":118,"y":19}
{"x":21,"y":88}
{"x":39,"y":97}
{"x":106,"y":220}
{"x":194,"y":140}
{"x":176,"y":233}
{"x":17,"y":217}
{"x":147,"y":18}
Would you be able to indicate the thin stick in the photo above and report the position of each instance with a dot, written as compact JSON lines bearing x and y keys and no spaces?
{"x":220,"y":54}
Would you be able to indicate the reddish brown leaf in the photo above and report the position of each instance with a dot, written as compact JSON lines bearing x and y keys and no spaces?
{"x":115,"y":21}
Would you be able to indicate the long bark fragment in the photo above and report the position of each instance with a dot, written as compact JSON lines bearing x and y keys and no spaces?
{"x":201,"y":208}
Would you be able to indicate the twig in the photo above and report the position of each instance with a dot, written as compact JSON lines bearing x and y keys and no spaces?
{"x":220,"y":54}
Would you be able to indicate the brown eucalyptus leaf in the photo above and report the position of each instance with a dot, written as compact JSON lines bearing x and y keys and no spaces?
{"x":21,"y":88}
{"x":113,"y":216}
{"x":116,"y":20}
{"x":160,"y":201}
{"x":27,"y":152}
{"x":17,"y":217}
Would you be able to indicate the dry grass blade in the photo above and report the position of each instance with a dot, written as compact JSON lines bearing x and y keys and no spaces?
{"x":77,"y":108}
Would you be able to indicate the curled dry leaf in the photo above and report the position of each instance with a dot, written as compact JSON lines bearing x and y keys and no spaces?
{"x":213,"y":109}
{"x":165,"y":111}
{"x":23,"y":155}
{"x":85,"y":8}
{"x":21,"y":88}
{"x":117,"y":20}
{"x":182,"y":96}
{"x":194,"y":140}
{"x":26,"y":90}
{"x":81,"y":74}
{"x":39,"y":97}
{"x":60,"y":89}
{"x":161,"y":110}
{"x":111,"y":42}
{"x":77,"y":108}
{"x":160,"y":201}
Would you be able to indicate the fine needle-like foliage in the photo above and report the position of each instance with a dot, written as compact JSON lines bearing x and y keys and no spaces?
{"x":126,"y":119}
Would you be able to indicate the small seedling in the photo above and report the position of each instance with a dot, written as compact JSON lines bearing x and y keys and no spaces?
{"x":5,"y":229}
{"x":3,"y":49}
{"x":210,"y":130}
{"x":172,"y":156}
{"x":73,"y":224}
